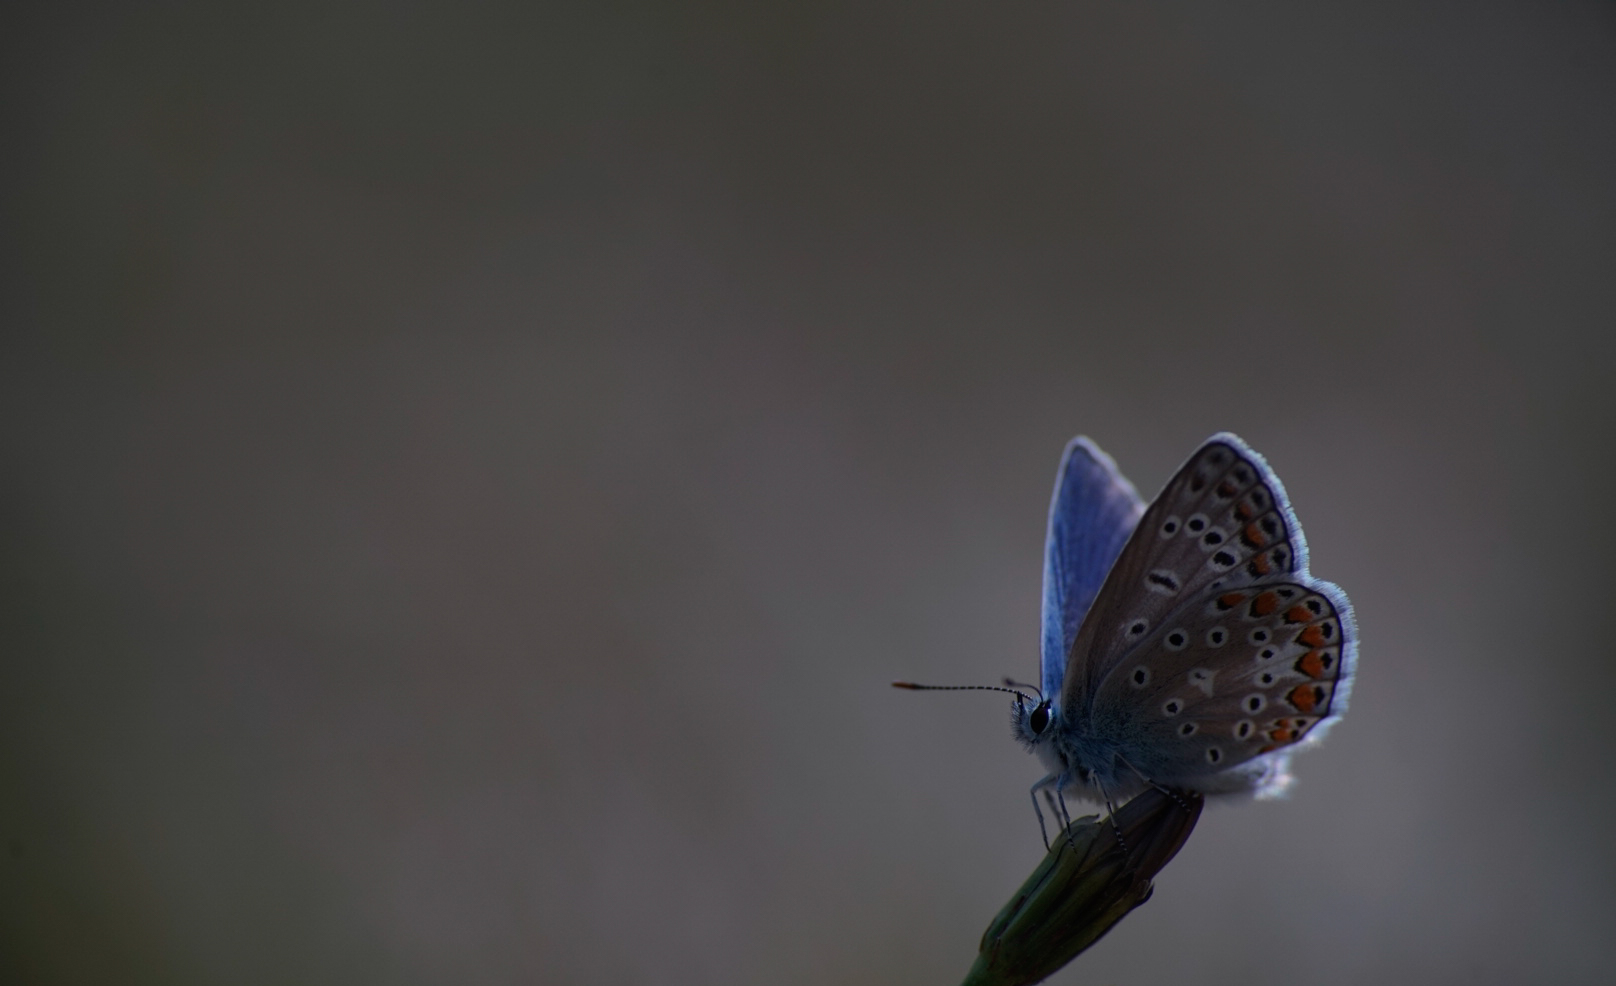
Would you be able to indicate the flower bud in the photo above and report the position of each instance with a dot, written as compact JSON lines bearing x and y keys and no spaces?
{"x":1085,"y":885}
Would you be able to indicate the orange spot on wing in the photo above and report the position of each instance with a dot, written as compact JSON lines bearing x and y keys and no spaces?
{"x":1229,"y":600}
{"x":1298,"y":614}
{"x":1265,"y":604}
{"x":1227,"y":489}
{"x":1263,"y":564}
{"x":1313,"y":636}
{"x":1244,"y":510}
{"x":1281,"y":735}
{"x":1255,"y":537}
{"x":1312,"y":664}
{"x":1302,"y":697}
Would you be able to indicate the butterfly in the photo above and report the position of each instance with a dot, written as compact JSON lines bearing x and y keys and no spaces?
{"x":1185,"y":645}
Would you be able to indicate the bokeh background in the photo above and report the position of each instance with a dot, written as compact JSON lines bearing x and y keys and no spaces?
{"x":473,"y":469}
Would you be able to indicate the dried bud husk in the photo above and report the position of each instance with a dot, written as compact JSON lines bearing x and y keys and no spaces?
{"x":1084,"y":886}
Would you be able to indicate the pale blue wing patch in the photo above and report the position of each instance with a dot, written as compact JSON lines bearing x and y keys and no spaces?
{"x":1092,"y":513}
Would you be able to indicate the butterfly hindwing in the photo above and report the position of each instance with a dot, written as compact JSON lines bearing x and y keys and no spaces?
{"x":1222,"y":522}
{"x":1092,"y":513}
{"x":1232,"y":674}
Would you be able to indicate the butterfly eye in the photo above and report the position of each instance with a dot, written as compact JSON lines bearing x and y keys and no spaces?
{"x":1039,"y":720}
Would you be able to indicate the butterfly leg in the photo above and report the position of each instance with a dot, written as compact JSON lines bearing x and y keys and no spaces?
{"x":1057,"y":807}
{"x":1165,"y":790}
{"x":1049,"y":802}
{"x":1066,"y":820}
{"x":1111,"y":814}
{"x":1043,"y":786}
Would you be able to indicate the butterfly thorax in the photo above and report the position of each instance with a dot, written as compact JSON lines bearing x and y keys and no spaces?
{"x":1085,"y":753}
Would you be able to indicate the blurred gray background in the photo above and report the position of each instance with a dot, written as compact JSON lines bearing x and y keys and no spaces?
{"x":473,"y":469}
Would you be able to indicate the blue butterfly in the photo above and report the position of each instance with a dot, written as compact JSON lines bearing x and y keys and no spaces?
{"x":1185,"y":645}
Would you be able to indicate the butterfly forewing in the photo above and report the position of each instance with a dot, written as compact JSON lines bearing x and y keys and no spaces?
{"x":1092,"y":513}
{"x":1221,"y":523}
{"x":1232,"y":674}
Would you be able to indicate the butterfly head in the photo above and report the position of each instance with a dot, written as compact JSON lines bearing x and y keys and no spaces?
{"x":1032,"y":723}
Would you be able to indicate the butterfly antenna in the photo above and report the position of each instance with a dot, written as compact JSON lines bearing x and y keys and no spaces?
{"x":1018,"y":693}
{"x":1013,"y":683}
